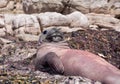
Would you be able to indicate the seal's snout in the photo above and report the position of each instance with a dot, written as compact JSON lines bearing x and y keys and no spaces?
{"x":51,"y":35}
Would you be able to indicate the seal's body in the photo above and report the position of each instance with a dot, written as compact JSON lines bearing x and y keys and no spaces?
{"x":59,"y":58}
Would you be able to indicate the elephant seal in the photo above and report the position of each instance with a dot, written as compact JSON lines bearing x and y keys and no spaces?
{"x":55,"y":56}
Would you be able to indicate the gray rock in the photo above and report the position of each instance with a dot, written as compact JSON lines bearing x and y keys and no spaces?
{"x":53,"y":19}
{"x":79,"y":5}
{"x":104,"y":21}
{"x":99,"y":6}
{"x":22,"y":54}
{"x":2,"y":32}
{"x":27,"y":37}
{"x":5,"y":41}
{"x":115,"y":8}
{"x":8,"y":23}
{"x":10,"y":5}
{"x":24,"y":23}
{"x":37,"y":6}
{"x":3,"y":3}
{"x":68,"y":6}
{"x":75,"y":19}
{"x":2,"y":23}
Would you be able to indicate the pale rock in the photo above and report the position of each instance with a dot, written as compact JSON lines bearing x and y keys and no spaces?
{"x":37,"y":6}
{"x":115,"y":8}
{"x":27,"y":37}
{"x":20,"y":30}
{"x":9,"y":29}
{"x":52,"y":19}
{"x":117,"y":28}
{"x":98,"y":3}
{"x":9,"y":18}
{"x":77,"y":5}
{"x":68,"y":29}
{"x":2,"y":22}
{"x":21,"y":20}
{"x":93,"y":27}
{"x":99,"y":6}
{"x":3,"y":3}
{"x":25,"y":54}
{"x":10,"y":5}
{"x":19,"y":6}
{"x":104,"y":21}
{"x":8,"y":23}
{"x":5,"y":41}
{"x":77,"y":19}
{"x":27,"y":30}
{"x":26,"y":24}
{"x":2,"y":32}
{"x":5,"y":65}
{"x":32,"y":30}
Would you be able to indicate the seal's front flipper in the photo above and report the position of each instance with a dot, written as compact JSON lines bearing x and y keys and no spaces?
{"x":54,"y":62}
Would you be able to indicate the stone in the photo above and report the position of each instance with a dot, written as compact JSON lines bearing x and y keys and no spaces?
{"x":2,"y":23}
{"x":77,"y":5}
{"x":77,"y":19}
{"x":20,"y":30}
{"x":23,"y":54}
{"x":104,"y":21}
{"x":9,"y":29}
{"x":5,"y":41}
{"x":27,"y":37}
{"x":2,"y":32}
{"x":26,"y":24}
{"x":9,"y":18}
{"x":52,"y":19}
{"x":10,"y":5}
{"x":99,"y":6}
{"x":37,"y":6}
{"x":8,"y":23}
{"x":115,"y":8}
{"x":3,"y":3}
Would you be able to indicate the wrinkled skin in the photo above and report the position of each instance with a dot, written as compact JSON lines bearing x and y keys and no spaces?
{"x":59,"y":58}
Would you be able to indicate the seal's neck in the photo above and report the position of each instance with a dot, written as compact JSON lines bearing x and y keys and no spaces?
{"x":61,"y":44}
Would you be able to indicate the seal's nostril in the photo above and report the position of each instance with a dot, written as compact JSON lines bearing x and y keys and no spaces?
{"x":45,"y":32}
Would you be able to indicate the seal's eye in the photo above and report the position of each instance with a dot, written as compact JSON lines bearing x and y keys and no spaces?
{"x":45,"y":32}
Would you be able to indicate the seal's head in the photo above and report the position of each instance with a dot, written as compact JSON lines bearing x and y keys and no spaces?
{"x":51,"y":35}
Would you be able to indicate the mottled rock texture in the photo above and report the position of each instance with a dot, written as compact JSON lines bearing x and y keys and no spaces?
{"x":18,"y":24}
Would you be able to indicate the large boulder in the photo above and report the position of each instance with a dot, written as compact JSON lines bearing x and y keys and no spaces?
{"x":8,"y":18}
{"x":68,"y":6}
{"x":37,"y":6}
{"x":24,"y":23}
{"x":115,"y":7}
{"x":3,"y":3}
{"x":6,"y":23}
{"x":104,"y":21}
{"x":53,"y":19}
{"x":27,"y":37}
{"x":11,"y":6}
{"x":75,"y":19}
